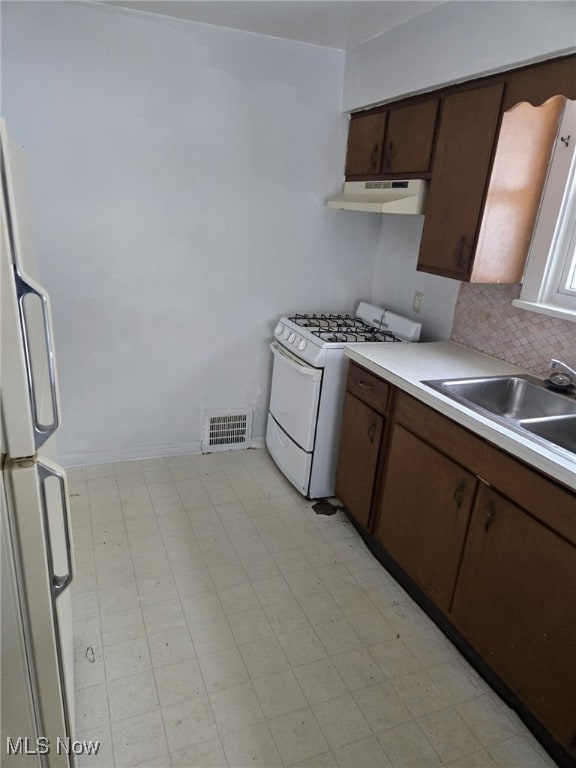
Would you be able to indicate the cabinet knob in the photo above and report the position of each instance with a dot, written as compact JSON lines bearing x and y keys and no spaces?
{"x":374,"y":158}
{"x":366,"y":386}
{"x":490,"y":515}
{"x":459,"y":493}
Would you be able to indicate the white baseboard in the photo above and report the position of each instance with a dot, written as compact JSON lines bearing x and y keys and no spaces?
{"x":112,"y":455}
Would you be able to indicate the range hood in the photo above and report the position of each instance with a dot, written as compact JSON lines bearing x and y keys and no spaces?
{"x":382,"y":196}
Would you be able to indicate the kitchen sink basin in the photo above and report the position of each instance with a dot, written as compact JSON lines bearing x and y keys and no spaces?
{"x":513,"y":397}
{"x":560,"y":430}
{"x":522,"y":403}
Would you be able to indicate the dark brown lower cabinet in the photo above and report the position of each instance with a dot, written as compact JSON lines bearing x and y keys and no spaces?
{"x":424,"y":513}
{"x":359,"y":448}
{"x":484,"y":538}
{"x":511,"y":605}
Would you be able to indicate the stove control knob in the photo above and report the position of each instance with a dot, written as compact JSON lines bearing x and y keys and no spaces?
{"x":278,"y":330}
{"x":291,"y":338}
{"x":302,"y":345}
{"x":286,"y":332}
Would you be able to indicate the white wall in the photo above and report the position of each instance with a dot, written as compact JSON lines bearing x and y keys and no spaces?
{"x":396,"y":278}
{"x":177,"y":174}
{"x":455,"y":41}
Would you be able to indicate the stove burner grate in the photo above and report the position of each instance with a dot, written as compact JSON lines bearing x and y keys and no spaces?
{"x":355,"y":337}
{"x":340,"y":328}
{"x":325,"y":321}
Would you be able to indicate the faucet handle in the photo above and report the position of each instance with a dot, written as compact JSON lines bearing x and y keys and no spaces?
{"x":560,"y":380}
{"x":554,"y":363}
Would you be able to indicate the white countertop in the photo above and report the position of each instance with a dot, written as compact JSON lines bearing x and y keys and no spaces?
{"x":407,"y":365}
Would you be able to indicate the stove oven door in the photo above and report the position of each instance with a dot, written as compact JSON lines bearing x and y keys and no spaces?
{"x":295,"y":396}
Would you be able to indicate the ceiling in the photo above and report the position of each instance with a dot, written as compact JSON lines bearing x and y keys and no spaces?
{"x":341,"y":24}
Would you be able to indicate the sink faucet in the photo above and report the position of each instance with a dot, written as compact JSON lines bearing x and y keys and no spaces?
{"x":559,"y":364}
{"x":561,"y":379}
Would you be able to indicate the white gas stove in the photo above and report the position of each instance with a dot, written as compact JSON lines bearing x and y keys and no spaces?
{"x":310,"y":335}
{"x":308,"y":385}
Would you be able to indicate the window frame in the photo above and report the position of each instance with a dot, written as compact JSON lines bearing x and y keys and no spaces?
{"x":551,"y":257}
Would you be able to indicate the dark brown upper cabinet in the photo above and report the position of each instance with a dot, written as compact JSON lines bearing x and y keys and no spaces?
{"x":365,"y":142}
{"x":395,"y":142}
{"x":410,"y":138}
{"x":536,"y":84}
{"x":492,"y":154}
{"x":487,"y":183}
{"x":485,"y":145}
{"x":468,"y":126}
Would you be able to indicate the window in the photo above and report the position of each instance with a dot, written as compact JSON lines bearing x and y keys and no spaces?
{"x":549,"y":284}
{"x":567,"y":283}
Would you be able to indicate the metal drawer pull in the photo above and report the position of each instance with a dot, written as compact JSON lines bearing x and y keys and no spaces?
{"x":459,"y":493}
{"x":365,"y":385}
{"x":371,"y":432}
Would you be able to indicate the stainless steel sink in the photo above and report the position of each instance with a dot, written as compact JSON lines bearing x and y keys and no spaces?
{"x":560,"y":430}
{"x":522,"y":403}
{"x":513,"y":397}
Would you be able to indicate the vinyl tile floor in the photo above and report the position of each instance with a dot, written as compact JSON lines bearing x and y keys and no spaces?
{"x":218,"y":621}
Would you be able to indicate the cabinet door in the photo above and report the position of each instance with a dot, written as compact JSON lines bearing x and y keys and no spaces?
{"x":464,"y":147}
{"x":365,"y":138}
{"x":359,"y":448}
{"x":514,"y":603}
{"x":424,"y":513}
{"x":410,"y":138}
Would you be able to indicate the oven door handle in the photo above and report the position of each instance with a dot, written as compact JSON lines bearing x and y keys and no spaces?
{"x":294,"y":363}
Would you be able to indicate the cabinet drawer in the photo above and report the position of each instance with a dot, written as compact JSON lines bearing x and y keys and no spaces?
{"x":369,"y":388}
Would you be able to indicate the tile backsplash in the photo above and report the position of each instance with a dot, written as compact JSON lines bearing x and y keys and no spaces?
{"x":485,"y":320}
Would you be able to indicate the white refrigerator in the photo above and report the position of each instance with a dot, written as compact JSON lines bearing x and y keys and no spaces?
{"x":36,"y":555}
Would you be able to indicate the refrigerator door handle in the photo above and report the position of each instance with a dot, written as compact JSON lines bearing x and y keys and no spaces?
{"x":24,"y":288}
{"x":58,"y":583}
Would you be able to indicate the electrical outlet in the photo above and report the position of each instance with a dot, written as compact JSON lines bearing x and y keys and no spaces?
{"x":417,"y":303}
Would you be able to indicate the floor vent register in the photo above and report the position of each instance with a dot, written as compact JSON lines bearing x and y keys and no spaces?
{"x":226,"y":431}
